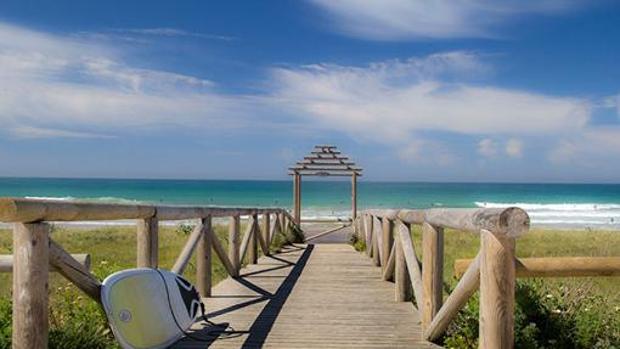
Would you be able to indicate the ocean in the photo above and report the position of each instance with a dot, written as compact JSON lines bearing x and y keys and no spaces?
{"x":595,"y":206}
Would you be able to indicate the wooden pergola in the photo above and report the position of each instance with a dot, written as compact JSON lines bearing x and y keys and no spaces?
{"x":324,"y":161}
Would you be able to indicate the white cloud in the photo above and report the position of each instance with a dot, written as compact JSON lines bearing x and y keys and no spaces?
{"x":35,"y":132}
{"x":594,"y":146}
{"x":391,"y":101}
{"x":53,"y":85}
{"x":412,"y":19}
{"x":514,"y":148}
{"x":487,"y":147}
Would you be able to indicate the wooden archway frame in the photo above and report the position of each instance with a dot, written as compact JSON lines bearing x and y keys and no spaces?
{"x":324,"y":161}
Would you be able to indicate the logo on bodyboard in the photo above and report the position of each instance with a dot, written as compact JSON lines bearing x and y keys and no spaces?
{"x":190,"y":296}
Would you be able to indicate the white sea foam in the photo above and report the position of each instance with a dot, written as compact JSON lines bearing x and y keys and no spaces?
{"x":581,"y":215}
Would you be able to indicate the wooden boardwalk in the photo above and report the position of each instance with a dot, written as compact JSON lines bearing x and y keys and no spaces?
{"x":309,"y":296}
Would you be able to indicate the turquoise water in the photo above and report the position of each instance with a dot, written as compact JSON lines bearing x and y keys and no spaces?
{"x":591,"y":205}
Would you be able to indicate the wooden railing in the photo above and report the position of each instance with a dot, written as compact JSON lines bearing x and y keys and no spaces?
{"x":34,"y":252}
{"x":387,"y":234}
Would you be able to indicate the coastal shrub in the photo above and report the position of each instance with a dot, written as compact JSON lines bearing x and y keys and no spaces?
{"x":548,"y":315}
{"x":358,"y":244}
{"x":184,"y":229}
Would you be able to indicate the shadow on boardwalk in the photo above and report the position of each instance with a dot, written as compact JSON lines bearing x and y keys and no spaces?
{"x":315,"y":296}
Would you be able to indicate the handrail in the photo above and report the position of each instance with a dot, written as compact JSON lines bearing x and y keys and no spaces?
{"x":35,"y":253}
{"x":387,"y":235}
{"x":35,"y":210}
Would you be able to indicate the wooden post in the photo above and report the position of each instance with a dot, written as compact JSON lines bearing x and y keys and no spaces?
{"x":267,"y":228}
{"x":401,"y":277}
{"x":297,"y":197}
{"x":497,"y":291}
{"x":432,"y":272}
{"x":253,"y":243}
{"x":233,"y":243}
{"x":388,"y":240}
{"x":203,"y":259}
{"x":354,"y":196}
{"x":147,"y":249}
{"x":30,"y":285}
{"x":369,"y":233}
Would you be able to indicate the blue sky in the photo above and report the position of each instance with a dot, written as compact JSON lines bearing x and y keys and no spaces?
{"x":429,"y":91}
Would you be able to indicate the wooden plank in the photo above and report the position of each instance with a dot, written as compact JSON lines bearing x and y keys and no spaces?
{"x":221,"y":253}
{"x":354,"y":196}
{"x":557,"y":266}
{"x":401,"y":278}
{"x":35,"y":210}
{"x":432,"y":272}
{"x":497,"y":291}
{"x":204,"y":262}
{"x":147,"y":243}
{"x":30,"y":286}
{"x":378,"y":233}
{"x":267,"y":231}
{"x":252,"y":250}
{"x":387,"y":240}
{"x":368,"y":230}
{"x":511,"y":221}
{"x":74,"y":271}
{"x":388,"y":271}
{"x":186,"y":253}
{"x":413,"y":264}
{"x":233,"y":243}
{"x":465,"y":288}
{"x":327,"y":232}
{"x":246,"y":238}
{"x":6,"y":262}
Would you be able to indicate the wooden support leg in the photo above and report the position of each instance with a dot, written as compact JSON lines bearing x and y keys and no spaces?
{"x":234,"y":241}
{"x":203,"y":259}
{"x":267,"y":228}
{"x":147,"y":236}
{"x":30,"y":286}
{"x":432,"y":272}
{"x":253,"y":243}
{"x":401,"y":277}
{"x":497,"y":291}
{"x":388,"y":240}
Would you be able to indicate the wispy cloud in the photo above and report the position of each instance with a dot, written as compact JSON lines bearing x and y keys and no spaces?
{"x":397,"y":98}
{"x":29,"y":132}
{"x":409,"y":19}
{"x":172,"y":32}
{"x":51,"y":83}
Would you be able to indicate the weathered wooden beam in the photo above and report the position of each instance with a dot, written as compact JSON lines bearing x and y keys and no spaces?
{"x":147,"y":243}
{"x":6,"y":262}
{"x":267,"y":232}
{"x":324,"y":173}
{"x":413,"y":264}
{"x":378,"y":226}
{"x":253,"y":242}
{"x":335,"y":168}
{"x":368,"y":230}
{"x":327,"y":232}
{"x":388,"y":271}
{"x":221,"y":253}
{"x":186,"y":253}
{"x":511,"y":221}
{"x":354,"y":196}
{"x":556,"y":266}
{"x":432,"y":272}
{"x":387,"y":231}
{"x":465,"y":288}
{"x":204,"y":261}
{"x":74,"y":271}
{"x":401,"y":278}
{"x":376,"y":235}
{"x":36,"y":210}
{"x":30,"y":286}
{"x":246,"y":243}
{"x":233,"y":244}
{"x":497,"y":291}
